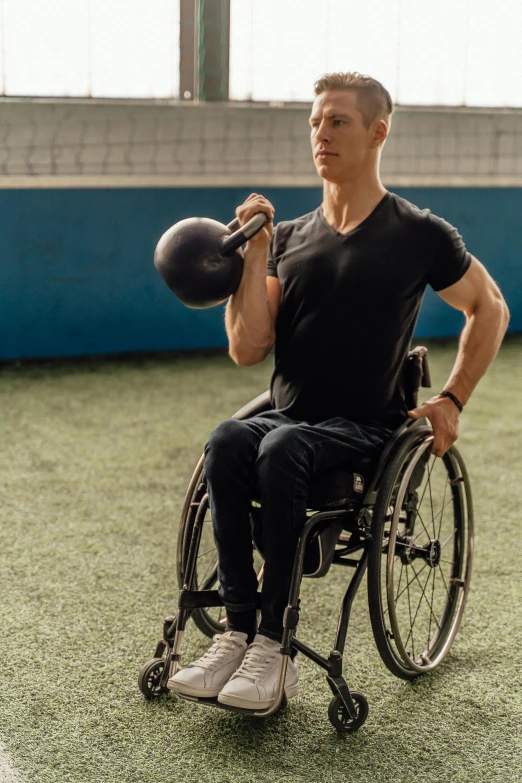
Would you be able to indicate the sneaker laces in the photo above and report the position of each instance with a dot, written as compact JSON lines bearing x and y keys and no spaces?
{"x":222,"y":647}
{"x":257,"y":661}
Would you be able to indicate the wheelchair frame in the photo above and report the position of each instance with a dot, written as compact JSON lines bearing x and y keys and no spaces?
{"x":366,"y":531}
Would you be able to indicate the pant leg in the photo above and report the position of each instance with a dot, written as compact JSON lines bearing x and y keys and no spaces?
{"x":230,"y":455}
{"x":288,"y":458}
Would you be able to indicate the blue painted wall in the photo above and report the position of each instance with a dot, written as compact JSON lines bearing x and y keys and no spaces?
{"x":77,"y":274}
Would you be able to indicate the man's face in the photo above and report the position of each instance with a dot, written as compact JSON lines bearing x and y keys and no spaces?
{"x":341,"y":144}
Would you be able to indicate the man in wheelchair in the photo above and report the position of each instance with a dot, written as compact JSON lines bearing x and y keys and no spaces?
{"x":337,"y":292}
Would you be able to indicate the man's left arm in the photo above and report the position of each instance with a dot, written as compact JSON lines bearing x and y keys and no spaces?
{"x":487,"y":316}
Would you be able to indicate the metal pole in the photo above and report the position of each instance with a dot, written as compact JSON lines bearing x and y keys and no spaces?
{"x":204,"y":50}
{"x":2,"y":44}
{"x":189,"y":11}
{"x":214,"y":43}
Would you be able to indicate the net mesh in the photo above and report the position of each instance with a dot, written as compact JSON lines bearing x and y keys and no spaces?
{"x":180,"y":144}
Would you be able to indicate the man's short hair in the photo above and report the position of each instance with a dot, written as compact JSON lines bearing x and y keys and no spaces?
{"x":373,"y":100}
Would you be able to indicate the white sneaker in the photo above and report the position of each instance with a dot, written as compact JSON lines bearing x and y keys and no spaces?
{"x":254,"y":684}
{"x":206,"y":676}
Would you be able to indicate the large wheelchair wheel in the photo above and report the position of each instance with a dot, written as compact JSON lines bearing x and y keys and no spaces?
{"x":419,"y":564}
{"x":211,"y":620}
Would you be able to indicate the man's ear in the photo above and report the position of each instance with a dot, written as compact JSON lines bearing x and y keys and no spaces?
{"x":380,"y":133}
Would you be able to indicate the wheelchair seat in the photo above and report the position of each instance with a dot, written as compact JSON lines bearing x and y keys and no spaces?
{"x":338,"y":487}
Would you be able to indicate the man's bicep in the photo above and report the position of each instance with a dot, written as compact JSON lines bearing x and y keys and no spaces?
{"x":474,"y":287}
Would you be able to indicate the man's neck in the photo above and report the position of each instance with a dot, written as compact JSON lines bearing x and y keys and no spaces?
{"x":347,"y":204}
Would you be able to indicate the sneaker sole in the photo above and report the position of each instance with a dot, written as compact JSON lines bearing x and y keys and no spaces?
{"x":192,"y":690}
{"x":247,"y":704}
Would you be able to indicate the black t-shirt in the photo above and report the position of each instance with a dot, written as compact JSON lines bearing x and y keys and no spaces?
{"x":349,"y":305}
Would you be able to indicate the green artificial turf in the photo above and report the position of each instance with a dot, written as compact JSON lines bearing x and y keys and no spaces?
{"x":96,"y":457}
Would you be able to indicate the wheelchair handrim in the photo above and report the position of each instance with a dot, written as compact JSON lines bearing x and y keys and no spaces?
{"x":438,"y":644}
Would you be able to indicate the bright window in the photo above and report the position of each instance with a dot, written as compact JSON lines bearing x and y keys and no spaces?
{"x":426,"y":52}
{"x":102,"y":48}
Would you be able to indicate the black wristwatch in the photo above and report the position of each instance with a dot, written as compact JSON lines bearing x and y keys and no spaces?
{"x":446,"y":393}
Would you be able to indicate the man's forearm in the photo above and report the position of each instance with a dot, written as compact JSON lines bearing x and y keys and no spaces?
{"x":247,"y":316}
{"x":479,"y":343}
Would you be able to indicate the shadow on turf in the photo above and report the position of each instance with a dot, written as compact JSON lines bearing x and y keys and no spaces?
{"x":299,"y":719}
{"x":302,"y":714}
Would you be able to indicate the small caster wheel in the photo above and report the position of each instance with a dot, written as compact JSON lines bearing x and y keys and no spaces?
{"x":340,"y":717}
{"x":149,"y":680}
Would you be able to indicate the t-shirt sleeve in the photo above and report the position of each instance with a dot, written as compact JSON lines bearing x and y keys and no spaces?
{"x":449,"y":259}
{"x":271,"y":267}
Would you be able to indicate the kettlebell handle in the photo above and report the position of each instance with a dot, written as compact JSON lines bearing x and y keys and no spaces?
{"x":234,"y":225}
{"x":242,"y":234}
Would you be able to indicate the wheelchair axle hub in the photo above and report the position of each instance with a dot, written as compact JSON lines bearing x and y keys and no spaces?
{"x":408,"y":551}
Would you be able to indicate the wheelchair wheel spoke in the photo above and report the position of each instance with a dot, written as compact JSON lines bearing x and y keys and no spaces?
{"x":210,"y":565}
{"x":432,"y":592}
{"x":443,"y":506}
{"x":423,"y":493}
{"x":411,"y":627}
{"x":427,"y":484}
{"x":446,"y":541}
{"x":431,"y":500}
{"x":439,"y":513}
{"x":445,"y":583}
{"x":424,"y":526}
{"x":212,"y":548}
{"x":410,"y":582}
{"x":423,"y":595}
{"x":430,"y":607}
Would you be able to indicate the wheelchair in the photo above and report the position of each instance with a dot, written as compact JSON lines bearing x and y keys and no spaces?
{"x":406,"y":518}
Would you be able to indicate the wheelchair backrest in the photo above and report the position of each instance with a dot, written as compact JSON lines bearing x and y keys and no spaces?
{"x":417,"y":374}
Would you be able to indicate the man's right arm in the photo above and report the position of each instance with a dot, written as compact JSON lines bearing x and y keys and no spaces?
{"x":251,"y":310}
{"x":249,"y":317}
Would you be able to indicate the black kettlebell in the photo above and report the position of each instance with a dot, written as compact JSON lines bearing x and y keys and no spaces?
{"x":198,"y":258}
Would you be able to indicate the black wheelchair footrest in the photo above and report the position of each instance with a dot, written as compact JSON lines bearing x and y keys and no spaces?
{"x":215,"y":703}
{"x":200,"y":599}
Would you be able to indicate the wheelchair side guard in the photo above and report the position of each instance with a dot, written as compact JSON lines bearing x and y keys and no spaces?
{"x":320,"y":548}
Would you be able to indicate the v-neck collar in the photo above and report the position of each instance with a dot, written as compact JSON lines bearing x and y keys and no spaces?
{"x":374,"y":211}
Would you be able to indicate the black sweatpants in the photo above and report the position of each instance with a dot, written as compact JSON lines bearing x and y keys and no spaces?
{"x":281,"y":455}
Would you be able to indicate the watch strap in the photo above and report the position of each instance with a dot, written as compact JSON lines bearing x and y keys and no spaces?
{"x":446,"y":393}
